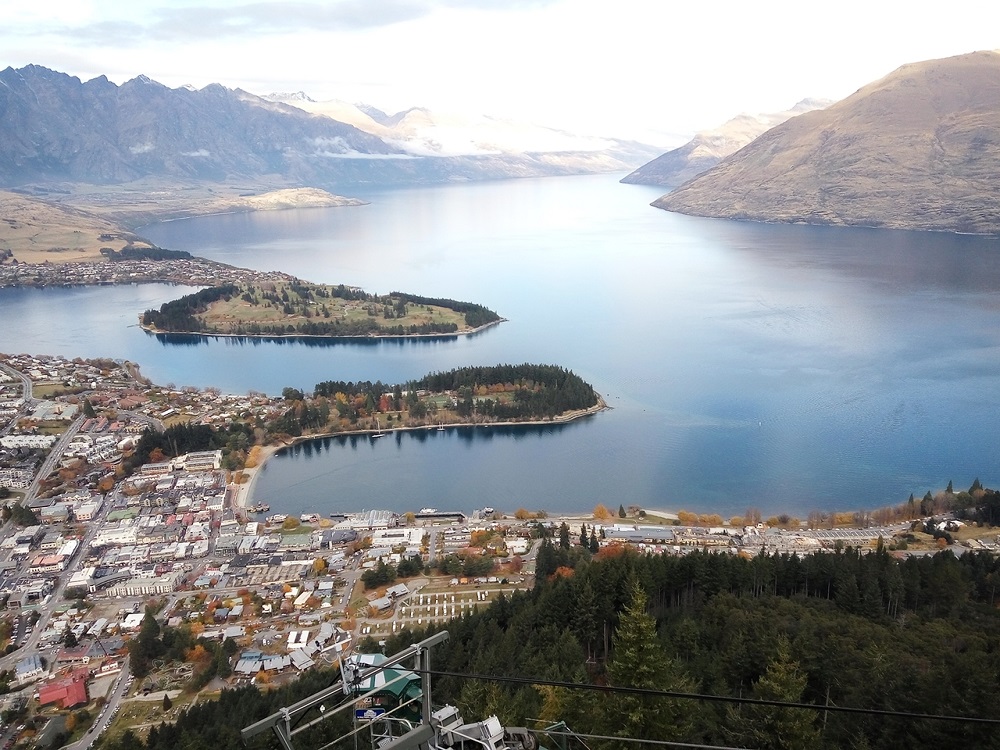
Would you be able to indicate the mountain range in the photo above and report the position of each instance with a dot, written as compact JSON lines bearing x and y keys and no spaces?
{"x":423,"y":132}
{"x":57,"y":128}
{"x":709,"y":147}
{"x":917,"y":149}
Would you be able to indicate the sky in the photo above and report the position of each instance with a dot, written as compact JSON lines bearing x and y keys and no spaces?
{"x":653,"y":70}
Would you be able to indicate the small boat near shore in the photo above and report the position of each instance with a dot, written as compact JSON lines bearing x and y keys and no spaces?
{"x":259,"y":508}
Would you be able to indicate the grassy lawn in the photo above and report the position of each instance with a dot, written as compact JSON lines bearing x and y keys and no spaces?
{"x":222,"y":313}
{"x":303,"y":528}
{"x":52,"y":428}
{"x":47,"y":390}
{"x":140,"y":714}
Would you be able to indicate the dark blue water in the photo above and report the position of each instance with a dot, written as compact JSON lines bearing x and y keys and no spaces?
{"x":783,"y":367}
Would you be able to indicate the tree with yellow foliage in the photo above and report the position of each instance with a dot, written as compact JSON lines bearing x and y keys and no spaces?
{"x":253,"y":458}
{"x":479,"y":538}
{"x":687,"y":518}
{"x":602,"y":513}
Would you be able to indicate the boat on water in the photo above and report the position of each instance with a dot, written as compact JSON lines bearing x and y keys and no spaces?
{"x":488,"y":510}
{"x":259,"y":508}
{"x":428,"y":510}
{"x":378,"y":430}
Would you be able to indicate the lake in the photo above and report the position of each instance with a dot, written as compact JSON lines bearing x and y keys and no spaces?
{"x":788,"y":368}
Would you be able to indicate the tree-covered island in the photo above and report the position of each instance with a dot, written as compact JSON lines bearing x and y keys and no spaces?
{"x":299,"y":308}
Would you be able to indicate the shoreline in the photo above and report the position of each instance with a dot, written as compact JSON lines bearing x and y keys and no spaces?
{"x":243,"y":496}
{"x":244,"y":490}
{"x":264,"y":336}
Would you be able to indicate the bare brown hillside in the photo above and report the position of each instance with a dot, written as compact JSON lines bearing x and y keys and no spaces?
{"x":918,"y":149}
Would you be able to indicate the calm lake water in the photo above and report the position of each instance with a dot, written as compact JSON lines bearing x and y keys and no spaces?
{"x":788,"y":368}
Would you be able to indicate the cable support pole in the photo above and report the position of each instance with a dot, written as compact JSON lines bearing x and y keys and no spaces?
{"x":281,"y":722}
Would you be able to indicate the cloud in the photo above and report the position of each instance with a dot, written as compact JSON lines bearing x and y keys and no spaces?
{"x":338,"y":148}
{"x":171,"y":23}
{"x":200,"y":153}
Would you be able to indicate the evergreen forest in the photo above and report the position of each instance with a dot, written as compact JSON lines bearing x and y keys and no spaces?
{"x":917,"y":638}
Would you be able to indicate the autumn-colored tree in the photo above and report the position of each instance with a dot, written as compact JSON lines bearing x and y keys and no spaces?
{"x":614,"y":549}
{"x":290,"y":523}
{"x":479,"y":538}
{"x":522,"y":514}
{"x":687,"y":518}
{"x":602,"y":513}
{"x":253,"y":457}
{"x":563,"y":571}
{"x":736,"y":521}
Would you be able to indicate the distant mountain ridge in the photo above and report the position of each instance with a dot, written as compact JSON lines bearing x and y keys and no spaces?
{"x":56,"y":128}
{"x":709,"y":147}
{"x":917,"y":149}
{"x":423,"y":132}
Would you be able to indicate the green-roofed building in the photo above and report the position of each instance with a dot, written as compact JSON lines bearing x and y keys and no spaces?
{"x":394,"y":687}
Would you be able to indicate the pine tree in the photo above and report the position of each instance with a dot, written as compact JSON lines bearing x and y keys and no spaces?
{"x":621,"y":511}
{"x":585,"y":619}
{"x":563,"y":536}
{"x":773,"y":727}
{"x":639,"y":660}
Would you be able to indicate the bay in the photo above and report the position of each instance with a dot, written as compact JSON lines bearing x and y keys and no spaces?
{"x":788,"y":368}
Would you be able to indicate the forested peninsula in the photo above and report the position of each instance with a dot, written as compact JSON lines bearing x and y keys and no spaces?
{"x":299,"y":308}
{"x":467,"y":395}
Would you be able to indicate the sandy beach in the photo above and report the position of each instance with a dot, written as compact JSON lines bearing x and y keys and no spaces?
{"x":244,"y":490}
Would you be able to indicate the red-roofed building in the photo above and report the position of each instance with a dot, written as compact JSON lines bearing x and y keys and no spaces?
{"x":67,"y":692}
